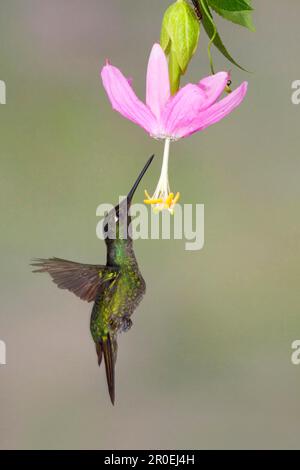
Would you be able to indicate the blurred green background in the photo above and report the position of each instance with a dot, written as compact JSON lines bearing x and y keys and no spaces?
{"x":208,"y":361}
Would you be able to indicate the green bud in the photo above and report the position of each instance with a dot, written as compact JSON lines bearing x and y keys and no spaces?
{"x":179,"y":38}
{"x":174,"y":73}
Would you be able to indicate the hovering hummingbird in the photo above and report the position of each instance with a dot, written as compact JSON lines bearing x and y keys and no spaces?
{"x":116,"y":288}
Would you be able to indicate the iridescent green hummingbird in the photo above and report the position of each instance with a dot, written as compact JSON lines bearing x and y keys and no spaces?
{"x":116,"y":289}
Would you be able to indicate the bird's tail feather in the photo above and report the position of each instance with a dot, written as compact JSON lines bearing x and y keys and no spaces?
{"x":105,"y":348}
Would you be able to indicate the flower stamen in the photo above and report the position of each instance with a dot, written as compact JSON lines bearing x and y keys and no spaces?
{"x":176,"y":199}
{"x":163,"y":198}
{"x":153,"y":201}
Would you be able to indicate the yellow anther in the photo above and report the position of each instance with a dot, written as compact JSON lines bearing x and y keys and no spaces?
{"x":162,"y":203}
{"x":169,"y":200}
{"x":176,"y":199}
{"x":153,"y":201}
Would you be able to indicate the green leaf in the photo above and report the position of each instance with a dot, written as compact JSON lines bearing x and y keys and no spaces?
{"x":230,"y":5}
{"x":211,"y":30}
{"x":243,"y":18}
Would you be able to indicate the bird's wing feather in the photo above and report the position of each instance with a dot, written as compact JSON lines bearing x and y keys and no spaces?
{"x":84,"y":280}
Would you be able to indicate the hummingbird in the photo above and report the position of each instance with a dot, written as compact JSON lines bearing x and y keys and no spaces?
{"x":116,"y":288}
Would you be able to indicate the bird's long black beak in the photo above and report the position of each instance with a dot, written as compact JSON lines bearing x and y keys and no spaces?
{"x":139,"y":179}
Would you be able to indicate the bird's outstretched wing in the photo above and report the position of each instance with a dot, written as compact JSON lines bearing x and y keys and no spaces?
{"x":84,"y":280}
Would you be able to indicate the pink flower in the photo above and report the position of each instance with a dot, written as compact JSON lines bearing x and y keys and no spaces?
{"x":192,"y":109}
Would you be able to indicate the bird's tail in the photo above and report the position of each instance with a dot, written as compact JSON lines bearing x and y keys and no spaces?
{"x":105,"y":347}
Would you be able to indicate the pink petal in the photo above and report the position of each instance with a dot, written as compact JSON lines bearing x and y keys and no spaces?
{"x":221,"y":109}
{"x":213,"y":87}
{"x":191,"y":99}
{"x":198,"y":120}
{"x":182,"y":109}
{"x":158,"y":83}
{"x":125,"y":101}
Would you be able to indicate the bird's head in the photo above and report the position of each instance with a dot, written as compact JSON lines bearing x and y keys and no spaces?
{"x":117,"y":222}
